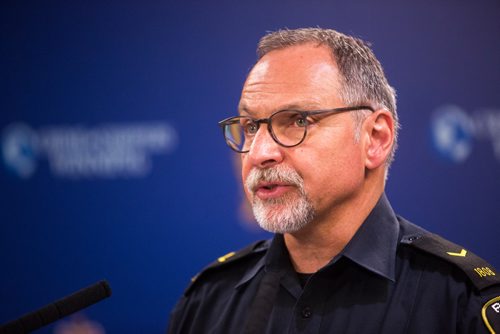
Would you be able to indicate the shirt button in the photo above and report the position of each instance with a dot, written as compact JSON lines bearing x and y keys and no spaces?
{"x":306,"y":312}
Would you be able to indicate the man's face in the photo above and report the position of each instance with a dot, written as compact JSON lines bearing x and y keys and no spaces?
{"x":291,"y":187}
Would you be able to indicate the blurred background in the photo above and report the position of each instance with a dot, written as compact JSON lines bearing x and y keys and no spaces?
{"x":112,"y":165}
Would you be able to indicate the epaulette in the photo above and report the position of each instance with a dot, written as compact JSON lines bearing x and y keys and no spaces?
{"x":229,"y":258}
{"x":477,"y":270}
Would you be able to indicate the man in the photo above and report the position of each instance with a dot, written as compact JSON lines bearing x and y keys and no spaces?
{"x":317,"y":131}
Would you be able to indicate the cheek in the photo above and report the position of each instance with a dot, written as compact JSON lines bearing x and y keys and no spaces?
{"x":245,"y":170}
{"x":334,"y":168}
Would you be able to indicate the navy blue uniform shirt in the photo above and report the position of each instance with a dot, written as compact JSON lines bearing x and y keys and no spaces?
{"x":390,"y":278}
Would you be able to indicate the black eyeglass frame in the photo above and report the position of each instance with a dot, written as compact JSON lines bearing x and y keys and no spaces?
{"x":304,"y":114}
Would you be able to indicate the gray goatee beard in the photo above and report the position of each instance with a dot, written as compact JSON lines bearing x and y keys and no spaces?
{"x":286,"y":214}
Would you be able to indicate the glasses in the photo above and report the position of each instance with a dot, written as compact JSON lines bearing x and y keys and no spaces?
{"x":288,"y":128}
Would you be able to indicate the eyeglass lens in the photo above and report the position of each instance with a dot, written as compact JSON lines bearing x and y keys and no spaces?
{"x":288,"y":129}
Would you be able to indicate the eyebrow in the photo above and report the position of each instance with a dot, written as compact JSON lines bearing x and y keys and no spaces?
{"x":298,"y":105}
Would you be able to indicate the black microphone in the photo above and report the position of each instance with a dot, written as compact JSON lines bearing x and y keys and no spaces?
{"x":58,"y":309}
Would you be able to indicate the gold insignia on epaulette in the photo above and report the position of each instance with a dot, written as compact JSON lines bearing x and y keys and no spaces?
{"x":480,"y":273}
{"x":462,"y":253}
{"x":491,"y":314}
{"x":194,"y":278}
{"x":225,"y":257}
{"x":484,"y":271}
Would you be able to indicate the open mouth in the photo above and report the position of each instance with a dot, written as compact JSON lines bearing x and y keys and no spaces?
{"x":271,"y":190}
{"x":269,"y":186}
{"x":266,"y":186}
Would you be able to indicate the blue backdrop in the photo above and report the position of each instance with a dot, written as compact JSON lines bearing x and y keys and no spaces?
{"x":113,"y":166}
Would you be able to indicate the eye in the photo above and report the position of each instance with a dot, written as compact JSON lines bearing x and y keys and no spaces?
{"x":301,"y":122}
{"x":250,"y":128}
{"x":289,"y":119}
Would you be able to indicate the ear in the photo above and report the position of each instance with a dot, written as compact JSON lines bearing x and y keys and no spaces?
{"x":380,"y":137}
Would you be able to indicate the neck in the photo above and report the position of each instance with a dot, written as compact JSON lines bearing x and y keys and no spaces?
{"x":315,"y":245}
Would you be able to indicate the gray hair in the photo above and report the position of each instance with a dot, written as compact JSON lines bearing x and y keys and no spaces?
{"x":362,"y":78}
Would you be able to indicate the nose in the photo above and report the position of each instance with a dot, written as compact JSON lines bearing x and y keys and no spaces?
{"x":264,"y":151}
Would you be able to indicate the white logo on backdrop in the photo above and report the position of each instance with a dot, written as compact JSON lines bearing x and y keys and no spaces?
{"x":104,"y":151}
{"x":19,"y":149}
{"x":456,"y":131}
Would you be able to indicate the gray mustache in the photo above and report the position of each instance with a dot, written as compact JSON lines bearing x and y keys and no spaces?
{"x":275,"y":174}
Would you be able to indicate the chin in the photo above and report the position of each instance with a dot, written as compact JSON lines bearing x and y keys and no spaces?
{"x":281,"y":218}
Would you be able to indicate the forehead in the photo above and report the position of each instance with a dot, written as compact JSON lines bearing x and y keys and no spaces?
{"x":303,"y":76}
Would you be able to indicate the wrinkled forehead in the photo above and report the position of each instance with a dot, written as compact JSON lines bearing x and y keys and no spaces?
{"x":303,"y":76}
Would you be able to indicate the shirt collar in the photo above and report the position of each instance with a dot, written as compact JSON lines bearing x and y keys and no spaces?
{"x":276,"y":259}
{"x":374,"y":244}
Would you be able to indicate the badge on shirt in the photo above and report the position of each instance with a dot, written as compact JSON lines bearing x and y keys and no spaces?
{"x":491,"y":315}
